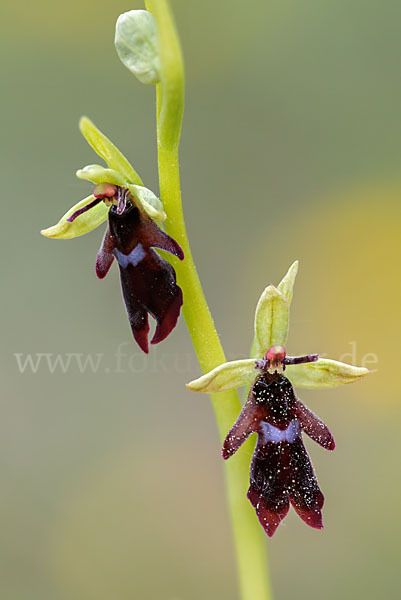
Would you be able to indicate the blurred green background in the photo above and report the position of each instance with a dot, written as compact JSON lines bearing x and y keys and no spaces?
{"x":112,"y":482}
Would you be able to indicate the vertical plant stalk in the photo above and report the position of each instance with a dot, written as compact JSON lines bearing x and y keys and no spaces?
{"x":248,"y":536}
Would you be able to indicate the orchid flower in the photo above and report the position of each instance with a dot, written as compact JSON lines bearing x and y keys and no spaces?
{"x":134,"y":214}
{"x":281,"y":470}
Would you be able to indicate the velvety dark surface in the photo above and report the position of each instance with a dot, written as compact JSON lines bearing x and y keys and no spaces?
{"x":281,"y":470}
{"x":149,"y":283}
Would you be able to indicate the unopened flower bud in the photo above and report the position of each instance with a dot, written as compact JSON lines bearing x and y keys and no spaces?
{"x":136,"y":44}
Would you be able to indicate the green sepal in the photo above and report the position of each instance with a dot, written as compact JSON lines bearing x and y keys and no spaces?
{"x":272,"y":314}
{"x":150,"y":203}
{"x":227,"y":376}
{"x":324,"y":373}
{"x":286,"y":285}
{"x":64,"y":230}
{"x":108,"y":151}
{"x":98,"y":174}
{"x":271,"y":320}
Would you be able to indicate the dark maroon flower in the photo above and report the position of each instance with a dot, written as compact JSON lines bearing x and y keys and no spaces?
{"x":281,"y":470}
{"x":148,"y":281}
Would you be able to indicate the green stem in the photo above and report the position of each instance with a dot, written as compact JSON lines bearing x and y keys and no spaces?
{"x":248,"y":537}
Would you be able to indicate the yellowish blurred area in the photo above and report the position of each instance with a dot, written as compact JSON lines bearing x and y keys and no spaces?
{"x":349,"y":287}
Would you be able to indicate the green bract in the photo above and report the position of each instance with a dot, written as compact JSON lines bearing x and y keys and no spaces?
{"x":119,"y":172}
{"x":271,"y":328}
{"x":137,"y":46}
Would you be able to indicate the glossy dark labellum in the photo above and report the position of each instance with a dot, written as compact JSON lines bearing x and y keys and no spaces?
{"x":281,"y":471}
{"x":148,"y":281}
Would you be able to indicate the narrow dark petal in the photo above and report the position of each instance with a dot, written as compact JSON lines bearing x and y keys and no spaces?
{"x":105,"y":256}
{"x":314,"y":427}
{"x":305,"y":495}
{"x":299,"y":360}
{"x":85,"y":208}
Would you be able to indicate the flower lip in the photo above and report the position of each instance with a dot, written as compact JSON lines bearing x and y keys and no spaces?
{"x":148,"y":281}
{"x":281,"y":470}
